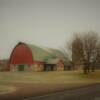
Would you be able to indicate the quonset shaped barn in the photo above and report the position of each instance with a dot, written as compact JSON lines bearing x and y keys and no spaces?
{"x":33,"y":58}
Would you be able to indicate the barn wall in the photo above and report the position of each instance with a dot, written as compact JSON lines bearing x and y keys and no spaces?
{"x":33,"y":67}
{"x":15,"y":68}
{"x":37,"y":67}
{"x":60,"y":66}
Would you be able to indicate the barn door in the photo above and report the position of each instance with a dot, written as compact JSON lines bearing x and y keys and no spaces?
{"x":20,"y":67}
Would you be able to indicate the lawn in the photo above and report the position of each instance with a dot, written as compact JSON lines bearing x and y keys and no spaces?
{"x":45,"y":81}
{"x":6,"y":89}
{"x":50,"y":77}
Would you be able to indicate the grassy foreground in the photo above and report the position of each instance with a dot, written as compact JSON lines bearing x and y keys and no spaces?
{"x":6,"y":89}
{"x":52,"y":79}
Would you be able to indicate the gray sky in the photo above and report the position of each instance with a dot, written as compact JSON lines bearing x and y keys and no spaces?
{"x":45,"y":22}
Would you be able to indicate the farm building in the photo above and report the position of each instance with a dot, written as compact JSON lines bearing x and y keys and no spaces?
{"x":3,"y":64}
{"x":33,"y":58}
{"x":54,"y":64}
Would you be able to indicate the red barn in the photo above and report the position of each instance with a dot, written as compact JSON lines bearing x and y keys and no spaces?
{"x":26,"y":57}
{"x":30,"y":57}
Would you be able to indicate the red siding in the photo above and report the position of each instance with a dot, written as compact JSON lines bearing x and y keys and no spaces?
{"x":21,"y":55}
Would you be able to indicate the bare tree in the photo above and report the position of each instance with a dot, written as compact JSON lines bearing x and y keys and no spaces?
{"x":85,"y":49}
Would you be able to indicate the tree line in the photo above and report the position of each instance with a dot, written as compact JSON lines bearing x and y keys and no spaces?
{"x":84,"y":50}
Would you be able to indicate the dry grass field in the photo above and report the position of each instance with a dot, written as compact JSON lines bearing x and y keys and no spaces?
{"x":36,"y":83}
{"x":50,"y":77}
{"x":4,"y":89}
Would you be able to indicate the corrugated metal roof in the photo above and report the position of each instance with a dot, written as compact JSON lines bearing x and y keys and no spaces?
{"x":53,"y":61}
{"x":43,"y":53}
{"x":38,"y":53}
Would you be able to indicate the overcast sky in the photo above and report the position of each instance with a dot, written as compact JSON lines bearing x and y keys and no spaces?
{"x":45,"y":22}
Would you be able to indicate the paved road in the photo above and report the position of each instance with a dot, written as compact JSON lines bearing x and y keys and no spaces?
{"x":91,"y":92}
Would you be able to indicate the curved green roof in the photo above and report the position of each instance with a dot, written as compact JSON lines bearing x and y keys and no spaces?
{"x":38,"y":53}
{"x":45,"y":54}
